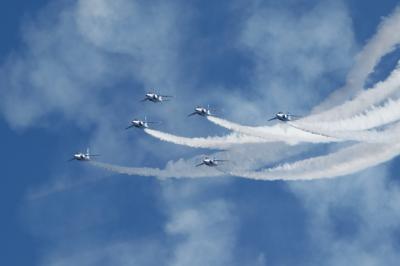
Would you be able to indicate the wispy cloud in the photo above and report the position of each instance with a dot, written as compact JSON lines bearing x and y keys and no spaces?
{"x":353,"y":220}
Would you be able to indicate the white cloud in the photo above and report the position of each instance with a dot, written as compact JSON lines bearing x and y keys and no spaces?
{"x":146,"y":32}
{"x":205,"y":230}
{"x":293,"y":51}
{"x":364,"y":206}
{"x":118,"y":254}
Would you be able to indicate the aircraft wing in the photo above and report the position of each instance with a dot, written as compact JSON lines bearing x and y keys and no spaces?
{"x":145,"y":99}
{"x":192,"y":114}
{"x":199,"y":164}
{"x":220,"y":160}
{"x":129,"y":127}
{"x":71,"y":159}
{"x":167,"y":96}
{"x":272,"y":119}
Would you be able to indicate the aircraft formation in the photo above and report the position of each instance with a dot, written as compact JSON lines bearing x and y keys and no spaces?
{"x":198,"y":110}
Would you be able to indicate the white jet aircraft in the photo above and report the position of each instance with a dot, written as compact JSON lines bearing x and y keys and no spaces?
{"x":140,"y":123}
{"x":199,"y":110}
{"x":156,"y":98}
{"x":285,"y":117}
{"x":83,"y":156}
{"x":210,"y":162}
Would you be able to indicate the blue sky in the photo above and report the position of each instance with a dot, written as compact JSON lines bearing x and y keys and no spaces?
{"x":71,"y":75}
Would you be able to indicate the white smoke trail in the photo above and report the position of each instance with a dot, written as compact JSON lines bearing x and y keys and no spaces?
{"x":238,"y":158}
{"x":382,"y":43}
{"x":276,"y":133}
{"x":343,"y":162}
{"x":389,"y":135}
{"x":222,"y":143}
{"x":374,"y":117}
{"x":173,"y":171}
{"x":381,"y":91}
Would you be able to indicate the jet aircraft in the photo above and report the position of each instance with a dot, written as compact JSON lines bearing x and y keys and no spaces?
{"x":199,"y":110}
{"x":140,"y":123}
{"x":156,"y":98}
{"x":285,"y":117}
{"x":210,"y":162}
{"x":83,"y":156}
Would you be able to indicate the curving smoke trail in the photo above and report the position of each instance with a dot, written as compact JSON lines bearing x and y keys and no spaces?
{"x":383,"y":42}
{"x":303,"y":132}
{"x":343,"y":162}
{"x":276,"y":133}
{"x":237,"y":158}
{"x":388,"y":135}
{"x":374,"y":117}
{"x":221,"y":143}
{"x":169,"y":172}
{"x":365,"y":99}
